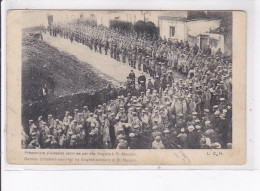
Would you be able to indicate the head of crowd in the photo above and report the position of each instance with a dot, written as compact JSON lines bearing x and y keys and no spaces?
{"x":156,"y":110}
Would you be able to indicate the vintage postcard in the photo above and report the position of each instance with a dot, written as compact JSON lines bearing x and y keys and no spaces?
{"x":126,"y":87}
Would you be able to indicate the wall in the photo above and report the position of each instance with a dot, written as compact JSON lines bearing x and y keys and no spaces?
{"x":165,"y":25}
{"x":219,"y":44}
{"x":228,"y":43}
{"x":201,"y":26}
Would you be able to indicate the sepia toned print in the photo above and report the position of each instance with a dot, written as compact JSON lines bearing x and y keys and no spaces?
{"x":94,"y":82}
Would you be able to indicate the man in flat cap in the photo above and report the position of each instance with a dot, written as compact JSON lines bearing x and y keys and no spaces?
{"x":157,"y":143}
{"x":132,"y":77}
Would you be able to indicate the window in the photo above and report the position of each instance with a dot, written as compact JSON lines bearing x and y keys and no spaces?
{"x":172,"y":31}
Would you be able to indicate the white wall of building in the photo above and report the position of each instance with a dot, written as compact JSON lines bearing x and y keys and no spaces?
{"x":179,"y":29}
{"x":220,"y":43}
{"x":201,"y":26}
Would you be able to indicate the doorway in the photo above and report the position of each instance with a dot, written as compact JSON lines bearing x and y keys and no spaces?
{"x":204,"y":41}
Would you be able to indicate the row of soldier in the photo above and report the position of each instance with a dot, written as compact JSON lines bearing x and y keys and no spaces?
{"x":152,"y":55}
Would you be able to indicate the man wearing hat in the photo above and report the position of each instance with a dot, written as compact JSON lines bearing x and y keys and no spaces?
{"x":165,"y":117}
{"x":133,"y":58}
{"x":224,"y":130}
{"x":31,"y":124}
{"x":167,"y":140}
{"x":81,"y":135}
{"x":51,"y":122}
{"x":122,"y":114}
{"x":61,"y":139}
{"x":222,"y":104}
{"x":215,"y":108}
{"x":182,"y":139}
{"x":143,"y":99}
{"x":106,"y":47}
{"x":152,"y":68}
{"x":206,"y":116}
{"x":139,"y":60}
{"x":146,"y":139}
{"x":216,"y":119}
{"x":80,"y":119}
{"x":157,"y":119}
{"x":47,"y":142}
{"x":170,"y":78}
{"x":76,"y":111}
{"x":34,"y":144}
{"x":163,"y":82}
{"x":135,"y":120}
{"x":40,"y":122}
{"x":73,"y":142}
{"x":66,"y":118}
{"x":142,"y":87}
{"x":157,"y":143}
{"x":122,"y":144}
{"x":206,"y":97}
{"x":157,"y":83}
{"x":54,"y":144}
{"x":156,"y":132}
{"x":144,"y":118}
{"x":219,"y":53}
{"x":158,"y":69}
{"x":133,"y":141}
{"x":195,"y":49}
{"x":85,"y":112}
{"x":106,"y":140}
{"x":145,"y":63}
{"x":93,"y":141}
{"x":132,"y":77}
{"x":150,"y":84}
{"x":193,"y":138}
{"x":177,"y":107}
{"x":191,"y":105}
{"x":198,"y":102}
{"x":112,"y":123}
{"x":34,"y":131}
{"x":142,"y":79}
{"x":44,"y":132}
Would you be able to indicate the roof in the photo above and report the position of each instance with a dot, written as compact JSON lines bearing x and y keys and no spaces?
{"x":219,"y":30}
{"x":184,"y":19}
{"x":202,"y":19}
{"x":172,"y":18}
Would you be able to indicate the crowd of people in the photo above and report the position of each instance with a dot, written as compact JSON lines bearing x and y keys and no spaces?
{"x":154,"y":110}
{"x":144,"y":52}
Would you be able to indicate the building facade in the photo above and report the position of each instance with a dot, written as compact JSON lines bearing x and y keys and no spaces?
{"x":197,"y":31}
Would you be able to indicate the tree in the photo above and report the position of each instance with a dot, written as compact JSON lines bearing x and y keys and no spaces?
{"x":139,"y":27}
{"x":151,"y":29}
{"x":146,"y":27}
{"x":121,"y":25}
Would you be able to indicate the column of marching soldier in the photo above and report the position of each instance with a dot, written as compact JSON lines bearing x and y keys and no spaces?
{"x":165,"y":113}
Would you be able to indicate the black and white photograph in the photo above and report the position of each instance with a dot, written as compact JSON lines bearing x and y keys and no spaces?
{"x":126,"y":79}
